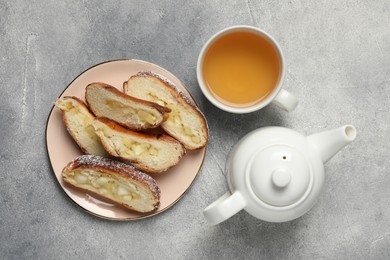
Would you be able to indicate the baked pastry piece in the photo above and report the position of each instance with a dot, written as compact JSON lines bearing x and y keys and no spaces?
{"x":107,"y":101}
{"x":113,"y":180}
{"x":185,"y":122}
{"x":150,"y":153}
{"x":78,"y":120}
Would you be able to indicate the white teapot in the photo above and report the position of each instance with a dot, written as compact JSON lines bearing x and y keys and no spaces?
{"x":276,"y":174}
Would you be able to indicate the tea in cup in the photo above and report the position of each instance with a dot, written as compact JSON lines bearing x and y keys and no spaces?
{"x":241,"y":69}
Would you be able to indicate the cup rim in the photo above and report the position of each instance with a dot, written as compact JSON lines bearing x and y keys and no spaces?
{"x":209,"y":95}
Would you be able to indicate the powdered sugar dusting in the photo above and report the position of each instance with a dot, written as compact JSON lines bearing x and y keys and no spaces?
{"x":98,"y":161}
{"x":172,"y":85}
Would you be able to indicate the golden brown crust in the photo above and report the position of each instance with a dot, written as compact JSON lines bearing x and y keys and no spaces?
{"x":108,"y":166}
{"x":148,"y":137}
{"x":82,"y":103}
{"x":116,"y":127}
{"x":65,"y":119}
{"x":161,"y":109}
{"x":181,"y":98}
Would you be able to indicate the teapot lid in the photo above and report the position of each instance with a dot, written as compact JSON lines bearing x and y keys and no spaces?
{"x":280,"y":175}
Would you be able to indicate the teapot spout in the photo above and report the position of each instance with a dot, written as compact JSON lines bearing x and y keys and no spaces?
{"x":330,"y":142}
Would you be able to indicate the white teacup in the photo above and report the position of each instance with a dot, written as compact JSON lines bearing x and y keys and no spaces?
{"x":276,"y":95}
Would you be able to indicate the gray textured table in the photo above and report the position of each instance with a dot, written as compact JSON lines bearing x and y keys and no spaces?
{"x":337,"y":55}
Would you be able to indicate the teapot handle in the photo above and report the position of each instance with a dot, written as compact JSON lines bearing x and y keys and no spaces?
{"x":224,"y":207}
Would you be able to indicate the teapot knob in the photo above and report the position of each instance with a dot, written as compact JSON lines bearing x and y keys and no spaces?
{"x":281,"y":177}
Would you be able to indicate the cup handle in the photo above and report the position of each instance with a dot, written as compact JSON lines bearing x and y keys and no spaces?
{"x":224,"y":208}
{"x":285,"y":100}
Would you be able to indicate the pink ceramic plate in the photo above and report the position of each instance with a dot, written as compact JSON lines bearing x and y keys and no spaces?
{"x":62,"y":149}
